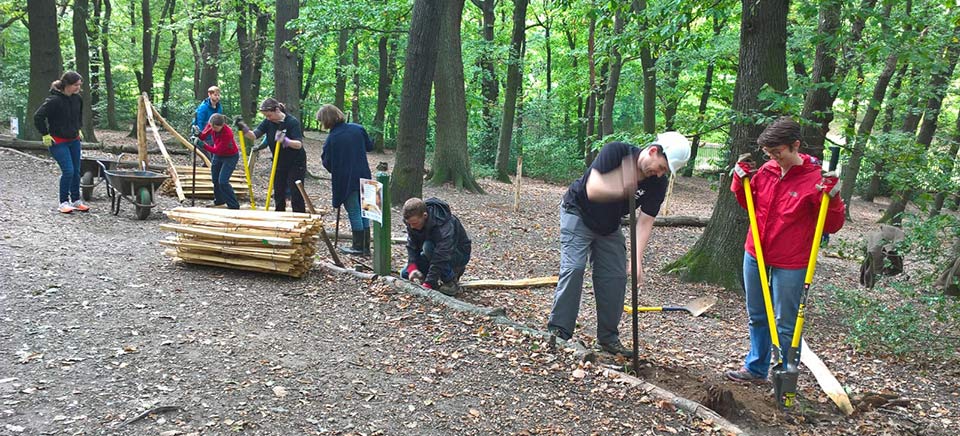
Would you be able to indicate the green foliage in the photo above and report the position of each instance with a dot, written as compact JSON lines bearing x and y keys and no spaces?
{"x":552,"y":159}
{"x":901,"y":321}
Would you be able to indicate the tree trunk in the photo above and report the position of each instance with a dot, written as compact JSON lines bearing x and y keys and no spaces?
{"x":613,"y":80}
{"x":262,"y":26}
{"x":355,"y":100}
{"x":649,"y":65}
{"x":287,"y":75}
{"x":210,"y":54}
{"x":818,"y":105}
{"x":873,"y":188}
{"x":419,"y":67}
{"x":246,"y":46}
{"x":81,"y":10}
{"x":866,"y":128}
{"x":671,"y":104}
{"x":510,"y":93}
{"x":384,"y":83}
{"x":949,"y":165}
{"x":489,"y":85}
{"x":938,"y":89}
{"x":716,"y":257}
{"x":107,"y":67}
{"x":339,"y":99}
{"x":704,"y":99}
{"x":146,"y":84}
{"x":451,"y":161}
{"x":171,"y":65}
{"x":45,"y":59}
{"x":591,"y":110}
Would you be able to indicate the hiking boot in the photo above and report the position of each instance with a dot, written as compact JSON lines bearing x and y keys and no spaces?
{"x":743,"y":375}
{"x":450,"y":288}
{"x":615,"y":348}
{"x":65,"y":207}
{"x":80,"y":205}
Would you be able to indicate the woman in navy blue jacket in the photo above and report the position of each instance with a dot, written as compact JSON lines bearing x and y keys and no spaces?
{"x":345,"y":157}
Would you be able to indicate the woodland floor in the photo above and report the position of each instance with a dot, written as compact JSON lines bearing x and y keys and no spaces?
{"x":98,"y":326}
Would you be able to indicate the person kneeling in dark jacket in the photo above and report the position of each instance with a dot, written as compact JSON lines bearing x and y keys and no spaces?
{"x":436,"y":243}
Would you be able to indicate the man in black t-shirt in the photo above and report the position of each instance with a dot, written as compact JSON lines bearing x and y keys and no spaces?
{"x":589,"y":228}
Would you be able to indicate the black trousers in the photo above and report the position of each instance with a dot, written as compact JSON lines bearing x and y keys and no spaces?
{"x":287,"y":174}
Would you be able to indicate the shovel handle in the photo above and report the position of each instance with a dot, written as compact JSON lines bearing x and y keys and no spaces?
{"x":628,"y":309}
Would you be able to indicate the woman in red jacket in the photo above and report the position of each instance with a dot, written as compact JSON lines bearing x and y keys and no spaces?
{"x":225,"y":157}
{"x":787,"y":192}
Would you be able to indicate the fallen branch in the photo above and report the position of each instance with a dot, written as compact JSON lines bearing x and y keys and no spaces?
{"x":24,"y":145}
{"x":690,"y":406}
{"x":11,"y":150}
{"x":676,"y":221}
{"x":498,"y":316}
{"x":511,"y":284}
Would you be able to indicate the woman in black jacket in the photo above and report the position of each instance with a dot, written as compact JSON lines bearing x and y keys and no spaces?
{"x":58,"y":120}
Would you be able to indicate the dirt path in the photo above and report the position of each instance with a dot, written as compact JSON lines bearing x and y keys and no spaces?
{"x":99,"y":327}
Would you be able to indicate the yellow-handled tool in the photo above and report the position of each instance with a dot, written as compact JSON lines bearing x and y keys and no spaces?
{"x":696,"y":307}
{"x":761,"y":265}
{"x":785,"y":378}
{"x":273,"y":171}
{"x":246,"y":170}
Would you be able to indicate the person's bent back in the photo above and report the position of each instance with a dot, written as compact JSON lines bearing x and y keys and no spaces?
{"x":438,"y":248}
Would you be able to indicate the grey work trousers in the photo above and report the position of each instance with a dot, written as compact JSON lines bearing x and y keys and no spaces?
{"x":608,"y":257}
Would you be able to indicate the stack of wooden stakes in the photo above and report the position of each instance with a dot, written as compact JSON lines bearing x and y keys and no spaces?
{"x":254,"y":240}
{"x":204,"y":183}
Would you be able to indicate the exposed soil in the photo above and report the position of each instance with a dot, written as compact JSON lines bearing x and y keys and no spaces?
{"x":99,"y":327}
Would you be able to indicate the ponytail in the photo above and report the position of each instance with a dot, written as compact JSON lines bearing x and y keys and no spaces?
{"x":271,"y":104}
{"x":68,"y":78}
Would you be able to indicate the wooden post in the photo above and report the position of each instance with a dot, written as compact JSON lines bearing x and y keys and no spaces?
{"x":163,"y":149}
{"x":517,"y":183}
{"x":381,"y":231}
{"x":141,"y":134}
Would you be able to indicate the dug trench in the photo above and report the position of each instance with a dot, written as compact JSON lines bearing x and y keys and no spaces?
{"x":751,"y":407}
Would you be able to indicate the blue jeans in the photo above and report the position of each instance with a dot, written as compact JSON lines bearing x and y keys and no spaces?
{"x":608,"y":256}
{"x":786,"y":285}
{"x":456,"y":266}
{"x":220,"y":171}
{"x":352,"y":205}
{"x":67,"y":155}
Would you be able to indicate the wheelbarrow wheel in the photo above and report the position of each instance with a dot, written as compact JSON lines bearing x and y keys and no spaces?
{"x":143,"y":197}
{"x":86,"y":185}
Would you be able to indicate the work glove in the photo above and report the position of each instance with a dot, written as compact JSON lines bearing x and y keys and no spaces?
{"x":242,"y":126}
{"x":428,"y":285}
{"x":194,"y":130}
{"x":47,"y":140}
{"x":414,"y":274}
{"x":80,"y":134}
{"x":830,"y":184}
{"x":744,"y":168}
{"x":281,"y":137}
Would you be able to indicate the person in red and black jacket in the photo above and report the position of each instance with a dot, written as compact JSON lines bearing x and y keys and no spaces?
{"x":58,"y":119}
{"x":787,"y":192}
{"x":225,"y":157}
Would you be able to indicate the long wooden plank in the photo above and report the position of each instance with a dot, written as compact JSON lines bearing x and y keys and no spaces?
{"x":239,"y":252}
{"x":256,"y":214}
{"x":148,"y":109}
{"x":830,"y":385}
{"x":511,"y":284}
{"x":296,"y":272}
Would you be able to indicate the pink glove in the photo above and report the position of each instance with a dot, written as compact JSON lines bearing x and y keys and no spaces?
{"x":830,"y":185}
{"x":744,"y":169}
{"x":281,"y":137}
{"x":427,"y":285}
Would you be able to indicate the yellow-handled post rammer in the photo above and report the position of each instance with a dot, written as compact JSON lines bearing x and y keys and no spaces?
{"x":761,"y":265}
{"x":246,"y":170}
{"x":273,"y":171}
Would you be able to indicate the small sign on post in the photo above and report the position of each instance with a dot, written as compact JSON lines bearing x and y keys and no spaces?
{"x":371,"y":200}
{"x":15,"y":127}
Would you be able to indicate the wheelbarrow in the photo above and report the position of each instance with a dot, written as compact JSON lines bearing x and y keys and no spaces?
{"x":91,"y":174}
{"x":135,"y":186}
